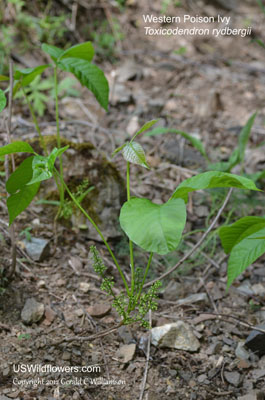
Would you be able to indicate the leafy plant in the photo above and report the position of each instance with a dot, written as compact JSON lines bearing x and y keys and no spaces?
{"x":155,"y":228}
{"x":244,"y":241}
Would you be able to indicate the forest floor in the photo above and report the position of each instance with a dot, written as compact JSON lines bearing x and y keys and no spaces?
{"x":209,"y":91}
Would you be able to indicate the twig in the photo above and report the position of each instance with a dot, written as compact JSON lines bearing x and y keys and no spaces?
{"x":238,"y":320}
{"x":147,"y":360}
{"x":87,"y":338}
{"x":196,"y":246}
{"x":12,"y":228}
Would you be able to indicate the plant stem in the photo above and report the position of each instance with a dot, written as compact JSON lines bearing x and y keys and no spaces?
{"x":130,"y":242}
{"x":42,"y":141}
{"x":9,"y":133}
{"x":61,"y":188}
{"x":97,"y":229}
{"x":144,"y":277}
{"x":33,"y":115}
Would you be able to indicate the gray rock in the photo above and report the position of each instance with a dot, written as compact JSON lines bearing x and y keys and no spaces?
{"x":193,"y":298}
{"x":258,"y":289}
{"x":32,"y":311}
{"x":177,"y":335}
{"x":38,"y":249}
{"x":256,"y":341}
{"x":125,"y":334}
{"x":126,"y":352}
{"x":249,"y":396}
{"x":245,"y":288}
{"x":241,"y":352}
{"x":233,"y":377}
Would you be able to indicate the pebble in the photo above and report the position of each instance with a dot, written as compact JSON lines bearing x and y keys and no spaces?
{"x":256,"y":341}
{"x":66,"y":356}
{"x":193,"y":298}
{"x":177,"y":335}
{"x":241,"y":352}
{"x":84,"y":287}
{"x":126,"y":352}
{"x":99,"y":310}
{"x":38,"y":249}
{"x":232,"y":377}
{"x":32,"y":311}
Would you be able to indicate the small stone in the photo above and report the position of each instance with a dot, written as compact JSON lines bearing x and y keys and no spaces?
{"x":256,"y":341}
{"x":249,"y":396}
{"x":126,"y":352}
{"x":258,"y":373}
{"x":241,"y":352}
{"x":99,"y":310}
{"x":79,"y":312}
{"x":38,"y":249}
{"x":258,"y":289}
{"x":176,"y":336}
{"x":245,"y":288}
{"x":41,"y":284}
{"x":36,"y":222}
{"x":32,"y":311}
{"x":125,"y":334}
{"x":202,"y":378}
{"x":232,"y":377}
{"x":66,"y":356}
{"x":49,"y":314}
{"x":243,"y":364}
{"x":84,"y":287}
{"x":61,"y":282}
{"x":193,"y":298}
{"x":6,"y":371}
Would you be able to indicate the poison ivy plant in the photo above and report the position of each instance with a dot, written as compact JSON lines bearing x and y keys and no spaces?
{"x":77,"y":60}
{"x":243,"y":241}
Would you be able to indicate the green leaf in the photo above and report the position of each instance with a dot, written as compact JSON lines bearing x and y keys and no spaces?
{"x":244,"y":254}
{"x":134,"y":153}
{"x":90,"y":76}
{"x":2,"y":100}
{"x":16,"y":147}
{"x":233,"y":234}
{"x":21,"y":176}
{"x":244,"y":136}
{"x":27,"y":75}
{"x":212,"y":179}
{"x":195,"y":142}
{"x":41,"y":170}
{"x":53,"y":51}
{"x":54,"y":154}
{"x":84,"y":51}
{"x":154,"y":227}
{"x":145,"y":127}
{"x":18,"y":202}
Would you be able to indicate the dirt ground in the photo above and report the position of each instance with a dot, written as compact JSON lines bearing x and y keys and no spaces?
{"x":202,"y":85}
